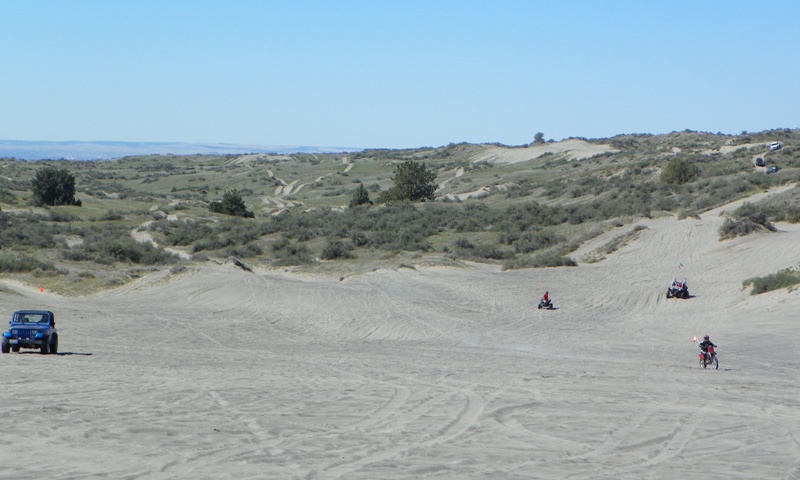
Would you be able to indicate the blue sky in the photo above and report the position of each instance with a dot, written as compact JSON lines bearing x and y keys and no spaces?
{"x":394,"y":74}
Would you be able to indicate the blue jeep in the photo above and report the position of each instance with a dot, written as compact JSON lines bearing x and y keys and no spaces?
{"x":31,"y":329}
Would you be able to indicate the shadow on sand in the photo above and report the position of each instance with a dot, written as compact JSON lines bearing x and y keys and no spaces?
{"x":59,"y":354}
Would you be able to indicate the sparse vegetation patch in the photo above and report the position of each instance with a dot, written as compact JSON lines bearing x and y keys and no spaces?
{"x":745,"y":220}
{"x":775,"y":281}
{"x":440,"y":204}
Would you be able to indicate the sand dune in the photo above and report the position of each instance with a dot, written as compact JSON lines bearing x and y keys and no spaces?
{"x":428,"y":373}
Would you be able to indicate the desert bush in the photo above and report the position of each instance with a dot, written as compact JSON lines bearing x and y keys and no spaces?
{"x":77,"y":254}
{"x":467,"y":250}
{"x":185,"y":233}
{"x":360,"y":196}
{"x":249,"y":250}
{"x":745,"y":220}
{"x":721,"y":191}
{"x":789,"y":214}
{"x":521,"y":217}
{"x":107,"y":251}
{"x":111,"y":215}
{"x":775,"y":281}
{"x":683,"y":214}
{"x":409,"y":238}
{"x":665,"y":203}
{"x":28,"y":230}
{"x":784,"y":208}
{"x":463,"y":243}
{"x":287,"y":253}
{"x":520,"y":189}
{"x":127,"y":249}
{"x":536,"y":240}
{"x":22,"y":263}
{"x":538,"y":261}
{"x":358,"y":238}
{"x":336,"y":249}
{"x":62,"y":217}
{"x":679,"y":171}
{"x":7,"y":197}
{"x":207,"y":236}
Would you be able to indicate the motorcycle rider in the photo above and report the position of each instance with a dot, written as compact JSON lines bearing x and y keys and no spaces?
{"x":705,"y":344}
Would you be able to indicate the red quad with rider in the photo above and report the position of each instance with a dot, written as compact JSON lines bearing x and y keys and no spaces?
{"x":545,"y":302}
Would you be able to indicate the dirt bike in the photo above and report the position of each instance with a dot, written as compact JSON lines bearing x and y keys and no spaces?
{"x":709,"y":359}
{"x":546,"y":304}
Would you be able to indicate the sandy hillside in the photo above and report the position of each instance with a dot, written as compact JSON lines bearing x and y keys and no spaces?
{"x":574,"y":149}
{"x":430,"y":373}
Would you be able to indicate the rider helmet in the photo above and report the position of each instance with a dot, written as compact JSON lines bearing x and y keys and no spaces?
{"x":705,"y":337}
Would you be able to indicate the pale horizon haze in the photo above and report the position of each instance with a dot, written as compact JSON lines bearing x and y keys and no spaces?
{"x":380,"y":74}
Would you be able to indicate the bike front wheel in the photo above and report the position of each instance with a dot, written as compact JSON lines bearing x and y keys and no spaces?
{"x":714,"y":363}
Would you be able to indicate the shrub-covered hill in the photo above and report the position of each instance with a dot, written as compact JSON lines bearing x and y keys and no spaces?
{"x":518,"y":206}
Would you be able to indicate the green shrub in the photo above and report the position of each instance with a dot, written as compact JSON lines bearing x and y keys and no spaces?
{"x":107,"y":251}
{"x":64,"y":217}
{"x":537,"y":240}
{"x":22,"y":263}
{"x":287,"y":253}
{"x":111,"y":215}
{"x":143,"y":253}
{"x":463,"y":243}
{"x":774,"y":281}
{"x":539,"y":261}
{"x":182,"y":233}
{"x":683,"y":214}
{"x":249,"y":250}
{"x":54,"y":186}
{"x":336,"y":249}
{"x":231,"y":204}
{"x":28,"y":230}
{"x":413,"y":181}
{"x":679,"y":171}
{"x":745,"y":220}
{"x":360,"y":197}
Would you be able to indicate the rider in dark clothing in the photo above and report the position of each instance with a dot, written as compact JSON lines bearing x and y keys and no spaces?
{"x":706,"y":343}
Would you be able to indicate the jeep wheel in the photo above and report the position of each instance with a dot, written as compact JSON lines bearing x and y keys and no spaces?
{"x":45,"y":349}
{"x":54,"y":345}
{"x":6,"y":347}
{"x":15,"y":348}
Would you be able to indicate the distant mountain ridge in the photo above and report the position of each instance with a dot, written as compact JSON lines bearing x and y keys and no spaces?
{"x":101,"y":150}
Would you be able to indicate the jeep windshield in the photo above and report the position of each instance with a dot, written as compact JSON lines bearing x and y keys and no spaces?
{"x":35,"y":318}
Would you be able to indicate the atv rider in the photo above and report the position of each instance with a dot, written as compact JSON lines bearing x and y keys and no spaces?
{"x":705,"y":344}
{"x":546,"y":298}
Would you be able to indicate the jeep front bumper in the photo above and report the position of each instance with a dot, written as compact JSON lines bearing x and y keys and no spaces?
{"x":26,"y":342}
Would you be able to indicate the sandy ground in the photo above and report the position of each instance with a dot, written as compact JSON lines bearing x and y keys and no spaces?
{"x":574,"y":149}
{"x":429,"y":373}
